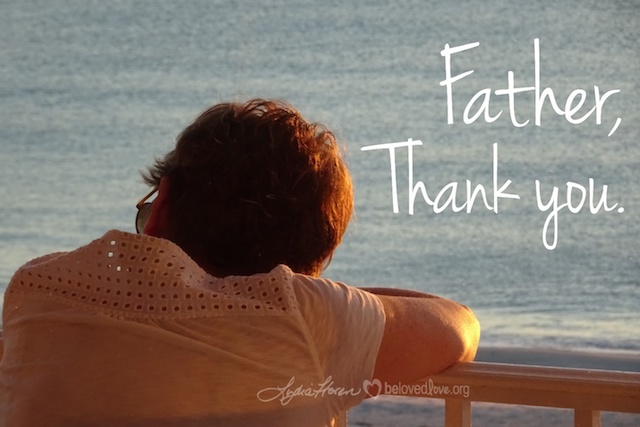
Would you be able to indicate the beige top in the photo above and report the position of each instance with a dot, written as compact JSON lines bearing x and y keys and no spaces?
{"x":129,"y":331}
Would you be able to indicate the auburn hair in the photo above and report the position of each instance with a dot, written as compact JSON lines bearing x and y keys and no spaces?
{"x":255,"y":185}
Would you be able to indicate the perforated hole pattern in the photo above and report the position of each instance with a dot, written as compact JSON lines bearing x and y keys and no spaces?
{"x":130,"y":275}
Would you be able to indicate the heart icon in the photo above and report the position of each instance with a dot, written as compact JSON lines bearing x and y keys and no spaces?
{"x":372,"y":388}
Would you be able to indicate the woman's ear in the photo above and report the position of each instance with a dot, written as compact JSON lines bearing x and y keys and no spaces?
{"x":158,"y":222}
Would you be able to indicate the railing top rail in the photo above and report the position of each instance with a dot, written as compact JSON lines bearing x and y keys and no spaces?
{"x":503,"y":372}
{"x":535,"y":385}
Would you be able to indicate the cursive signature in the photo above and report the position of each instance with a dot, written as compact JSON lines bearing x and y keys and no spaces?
{"x":286,"y":393}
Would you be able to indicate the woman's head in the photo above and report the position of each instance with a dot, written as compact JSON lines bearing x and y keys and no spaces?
{"x":255,"y":185}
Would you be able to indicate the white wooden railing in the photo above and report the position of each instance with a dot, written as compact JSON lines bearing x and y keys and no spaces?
{"x":586,"y":391}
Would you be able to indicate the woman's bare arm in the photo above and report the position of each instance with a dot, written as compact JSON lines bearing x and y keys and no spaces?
{"x":393,"y":292}
{"x":423,"y":335}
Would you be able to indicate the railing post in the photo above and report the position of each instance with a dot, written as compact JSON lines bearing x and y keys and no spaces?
{"x":588,"y":392}
{"x":457,"y":413}
{"x":587,"y":418}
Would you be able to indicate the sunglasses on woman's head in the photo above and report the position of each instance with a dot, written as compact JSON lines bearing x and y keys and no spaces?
{"x":144,"y":210}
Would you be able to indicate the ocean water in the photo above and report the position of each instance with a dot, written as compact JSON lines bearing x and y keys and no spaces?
{"x":92,"y":91}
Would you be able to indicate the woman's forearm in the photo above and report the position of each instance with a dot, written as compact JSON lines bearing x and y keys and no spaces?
{"x":399,"y":292}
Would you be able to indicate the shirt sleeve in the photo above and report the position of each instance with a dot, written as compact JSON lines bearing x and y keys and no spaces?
{"x":346,"y":325}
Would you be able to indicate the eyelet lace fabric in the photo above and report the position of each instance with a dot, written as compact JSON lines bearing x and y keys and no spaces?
{"x":123,"y":325}
{"x":131,"y":276}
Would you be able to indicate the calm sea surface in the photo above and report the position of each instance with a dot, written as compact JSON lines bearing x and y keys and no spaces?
{"x":91,"y":91}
